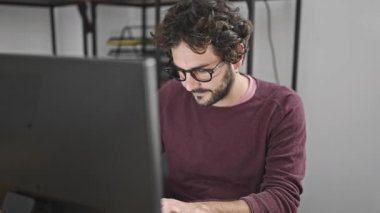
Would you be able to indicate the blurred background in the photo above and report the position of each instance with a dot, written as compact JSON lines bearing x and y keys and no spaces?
{"x":338,"y":76}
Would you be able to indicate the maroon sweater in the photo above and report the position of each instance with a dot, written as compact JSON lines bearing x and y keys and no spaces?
{"x":253,"y":151}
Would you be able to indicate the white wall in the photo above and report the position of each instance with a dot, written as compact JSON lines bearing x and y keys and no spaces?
{"x":283,"y":22}
{"x":27,"y":30}
{"x":69,"y":31}
{"x":24,"y":30}
{"x":338,"y":81}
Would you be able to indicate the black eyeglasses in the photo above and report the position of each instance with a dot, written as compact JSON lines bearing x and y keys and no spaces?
{"x":199,"y":74}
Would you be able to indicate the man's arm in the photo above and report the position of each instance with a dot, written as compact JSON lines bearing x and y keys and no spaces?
{"x":176,"y":206}
{"x":281,"y":187}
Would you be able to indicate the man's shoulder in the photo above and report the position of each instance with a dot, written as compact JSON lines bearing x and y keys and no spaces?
{"x":171,"y":91}
{"x":279,"y":94}
{"x":170,"y":87}
{"x":169,"y":84}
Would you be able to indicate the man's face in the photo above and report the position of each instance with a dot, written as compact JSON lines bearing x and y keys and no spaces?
{"x":205,"y":93}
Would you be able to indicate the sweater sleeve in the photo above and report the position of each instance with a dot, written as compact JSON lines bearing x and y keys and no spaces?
{"x":285,"y":160}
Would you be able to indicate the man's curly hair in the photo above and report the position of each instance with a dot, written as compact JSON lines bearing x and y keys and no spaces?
{"x":200,"y":23}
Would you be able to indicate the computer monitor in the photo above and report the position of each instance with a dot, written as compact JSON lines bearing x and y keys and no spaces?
{"x":80,"y":132}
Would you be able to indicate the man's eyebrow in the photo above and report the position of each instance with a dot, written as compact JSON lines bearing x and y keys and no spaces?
{"x":197,"y":67}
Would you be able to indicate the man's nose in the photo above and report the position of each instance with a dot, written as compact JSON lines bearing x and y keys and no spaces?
{"x":190,"y":83}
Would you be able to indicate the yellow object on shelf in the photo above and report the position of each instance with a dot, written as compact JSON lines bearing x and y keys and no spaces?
{"x":126,"y":42}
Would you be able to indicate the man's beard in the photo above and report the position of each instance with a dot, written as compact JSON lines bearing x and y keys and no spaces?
{"x":217,"y":94}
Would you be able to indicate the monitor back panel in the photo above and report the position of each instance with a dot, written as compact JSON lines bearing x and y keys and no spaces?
{"x":81,"y":130}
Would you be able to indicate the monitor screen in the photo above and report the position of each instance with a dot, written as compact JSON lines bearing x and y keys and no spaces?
{"x":80,"y":132}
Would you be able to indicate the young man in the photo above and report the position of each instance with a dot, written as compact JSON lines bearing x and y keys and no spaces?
{"x":233,"y":143}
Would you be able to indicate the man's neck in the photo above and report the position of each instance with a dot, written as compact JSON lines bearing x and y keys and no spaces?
{"x":238,"y":89}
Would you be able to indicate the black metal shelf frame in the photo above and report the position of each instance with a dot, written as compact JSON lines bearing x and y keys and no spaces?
{"x":89,"y":23}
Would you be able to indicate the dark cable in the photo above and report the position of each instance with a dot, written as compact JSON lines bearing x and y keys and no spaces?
{"x":270,"y":38}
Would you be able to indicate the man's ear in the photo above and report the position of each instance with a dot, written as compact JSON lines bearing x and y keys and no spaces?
{"x":236,"y":66}
{"x":240,"y":49}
